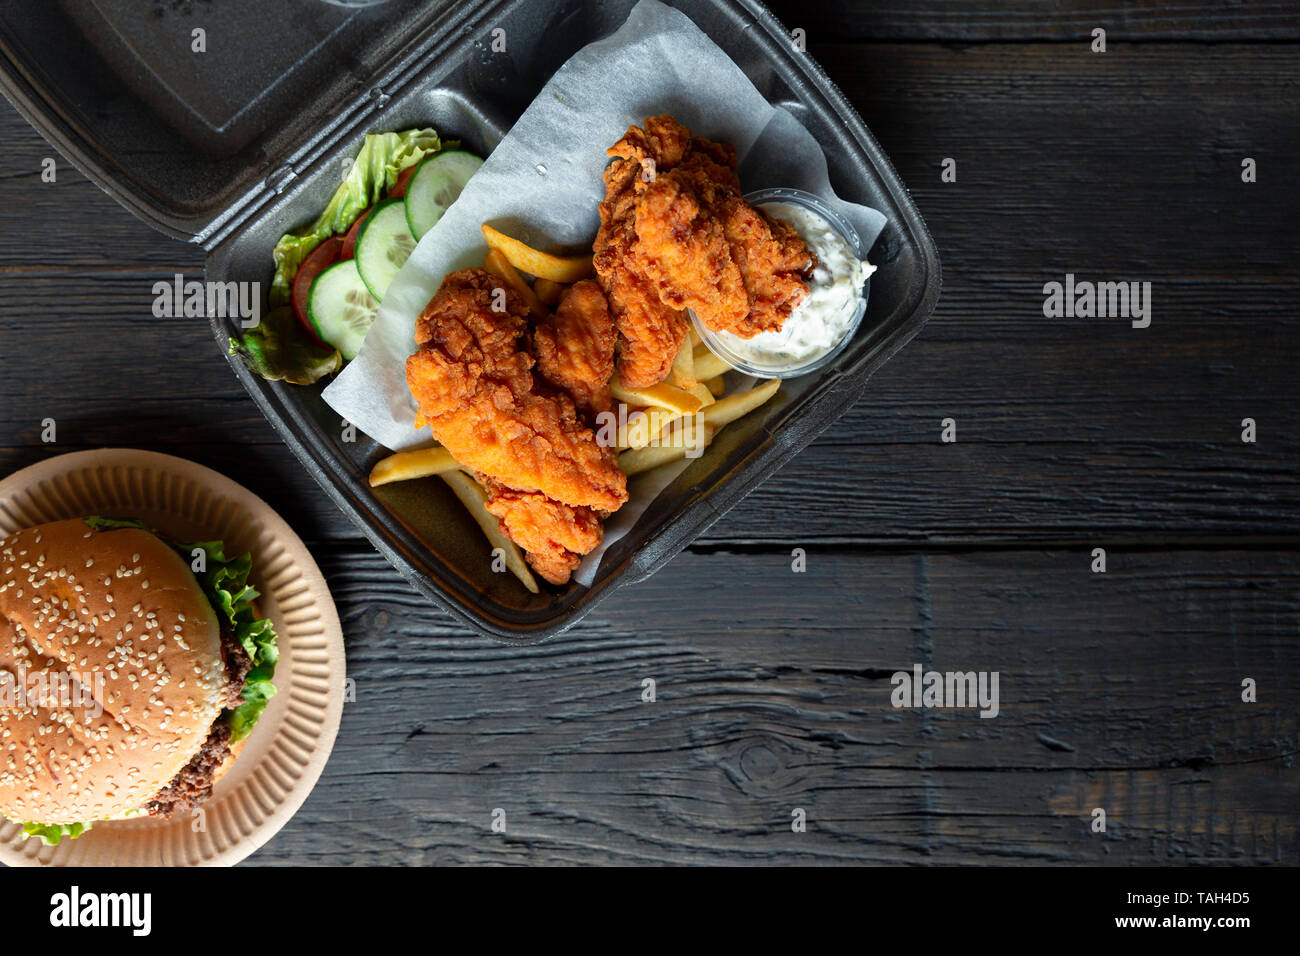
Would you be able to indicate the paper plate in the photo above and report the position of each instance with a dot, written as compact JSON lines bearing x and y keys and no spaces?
{"x":284,"y":755}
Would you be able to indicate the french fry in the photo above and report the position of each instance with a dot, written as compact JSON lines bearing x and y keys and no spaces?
{"x":693,"y":336}
{"x":638,"y":460}
{"x":716,"y":386}
{"x":682,"y":373}
{"x":500,"y":266}
{"x":665,"y":424}
{"x":405,"y":465}
{"x":549,"y":292}
{"x":672,"y":447}
{"x":703,"y":394}
{"x":473,"y":497}
{"x":708,"y":365}
{"x":636,"y":433}
{"x":728,"y":409}
{"x":645,"y":425}
{"x":540,"y":264}
{"x":662,"y":395}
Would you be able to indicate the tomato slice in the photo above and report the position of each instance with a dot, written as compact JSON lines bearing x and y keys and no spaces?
{"x":403,"y":178}
{"x":321,"y":258}
{"x":349,"y":250}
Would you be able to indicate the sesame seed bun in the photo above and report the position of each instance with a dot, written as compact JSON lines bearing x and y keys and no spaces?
{"x":118,"y":620}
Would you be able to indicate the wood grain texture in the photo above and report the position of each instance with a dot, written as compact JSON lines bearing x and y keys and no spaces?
{"x":974,"y":21}
{"x":773,"y":693}
{"x":1119,"y":690}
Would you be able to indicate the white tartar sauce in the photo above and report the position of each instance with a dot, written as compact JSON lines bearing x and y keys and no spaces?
{"x":822,"y":319}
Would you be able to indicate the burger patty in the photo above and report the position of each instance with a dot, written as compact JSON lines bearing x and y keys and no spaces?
{"x":193,"y":784}
{"x":238,"y":664}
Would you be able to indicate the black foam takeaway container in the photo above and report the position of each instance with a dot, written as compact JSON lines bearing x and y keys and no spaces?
{"x":231,"y":149}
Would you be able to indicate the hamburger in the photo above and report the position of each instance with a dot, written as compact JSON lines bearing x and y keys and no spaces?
{"x":132,"y":668}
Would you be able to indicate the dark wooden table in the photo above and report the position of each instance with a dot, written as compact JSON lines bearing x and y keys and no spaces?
{"x":1119,"y":690}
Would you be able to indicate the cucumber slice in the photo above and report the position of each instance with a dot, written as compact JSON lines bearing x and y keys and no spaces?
{"x":437,"y":182}
{"x":341,"y":308}
{"x":383,"y":245}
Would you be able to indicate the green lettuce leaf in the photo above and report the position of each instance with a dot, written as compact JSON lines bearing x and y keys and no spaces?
{"x":279,"y":349}
{"x":225,"y":581}
{"x":100,"y":523}
{"x":51,"y":833}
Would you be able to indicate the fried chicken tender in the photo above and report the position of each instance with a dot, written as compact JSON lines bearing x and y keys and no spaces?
{"x":676,"y":234}
{"x":554,"y":536}
{"x":574,"y":347}
{"x":708,"y":250}
{"x":475,"y":389}
{"x":650,"y":332}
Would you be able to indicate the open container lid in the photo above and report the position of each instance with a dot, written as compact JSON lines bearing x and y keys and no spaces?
{"x":189,"y":130}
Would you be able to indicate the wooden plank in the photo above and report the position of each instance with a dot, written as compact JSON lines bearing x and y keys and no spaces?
{"x":774,"y":693}
{"x":428,"y":818}
{"x":1063,"y":20}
